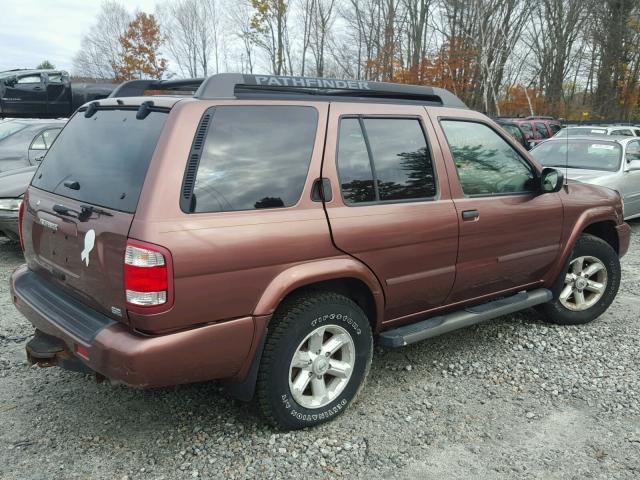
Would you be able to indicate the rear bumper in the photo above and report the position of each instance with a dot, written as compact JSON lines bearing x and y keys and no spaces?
{"x":624,"y":238}
{"x":214,"y":351}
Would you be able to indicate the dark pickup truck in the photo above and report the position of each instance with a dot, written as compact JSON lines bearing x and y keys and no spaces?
{"x":45,"y":93}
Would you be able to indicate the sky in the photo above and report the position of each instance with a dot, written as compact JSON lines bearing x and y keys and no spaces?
{"x":35,"y":30}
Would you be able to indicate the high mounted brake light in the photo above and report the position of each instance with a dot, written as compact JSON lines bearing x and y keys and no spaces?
{"x":147,"y":277}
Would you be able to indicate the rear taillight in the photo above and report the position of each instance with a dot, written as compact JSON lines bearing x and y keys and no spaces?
{"x":20,"y":216}
{"x":147,"y":276}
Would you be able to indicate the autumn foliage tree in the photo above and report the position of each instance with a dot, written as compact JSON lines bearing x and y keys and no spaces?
{"x":140,"y":44}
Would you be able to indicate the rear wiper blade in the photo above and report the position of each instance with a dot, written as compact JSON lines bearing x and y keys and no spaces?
{"x":72,"y":184}
{"x":83,"y":215}
{"x":87,"y":210}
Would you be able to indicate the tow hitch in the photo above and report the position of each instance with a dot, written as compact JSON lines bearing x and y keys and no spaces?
{"x":48,"y":351}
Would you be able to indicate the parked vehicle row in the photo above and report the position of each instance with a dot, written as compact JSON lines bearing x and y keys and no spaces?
{"x":263,"y":231}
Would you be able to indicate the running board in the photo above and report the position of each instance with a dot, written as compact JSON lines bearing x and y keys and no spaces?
{"x":432,"y":327}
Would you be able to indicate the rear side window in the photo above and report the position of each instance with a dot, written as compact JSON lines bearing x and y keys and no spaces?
{"x":107,"y":154}
{"x":254,"y":157}
{"x":554,"y":128}
{"x":45,"y":139}
{"x":384,"y":159}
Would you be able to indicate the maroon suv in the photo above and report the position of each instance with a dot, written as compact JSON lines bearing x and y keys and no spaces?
{"x":537,"y":128}
{"x":264,"y":230}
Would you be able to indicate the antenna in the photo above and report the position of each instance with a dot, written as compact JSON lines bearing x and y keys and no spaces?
{"x":566,"y":164}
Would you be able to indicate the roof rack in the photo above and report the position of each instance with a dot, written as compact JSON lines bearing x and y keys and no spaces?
{"x":236,"y":85}
{"x":539,"y":117}
{"x":138,"y":88}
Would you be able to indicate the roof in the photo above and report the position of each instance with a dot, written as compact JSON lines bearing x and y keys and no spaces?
{"x":28,"y":71}
{"x":236,"y":85}
{"x":621,"y":139}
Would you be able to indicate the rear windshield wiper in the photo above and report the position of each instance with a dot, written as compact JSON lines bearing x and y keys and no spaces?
{"x":87,"y":210}
{"x":83,"y":215}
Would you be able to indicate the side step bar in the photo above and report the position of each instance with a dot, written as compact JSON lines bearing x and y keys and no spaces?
{"x":432,"y":327}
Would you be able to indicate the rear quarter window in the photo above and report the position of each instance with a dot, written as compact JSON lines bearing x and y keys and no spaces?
{"x":254,"y":157}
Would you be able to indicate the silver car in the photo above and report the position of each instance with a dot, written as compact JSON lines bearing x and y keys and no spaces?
{"x":612,"y":162}
{"x":597,"y":130}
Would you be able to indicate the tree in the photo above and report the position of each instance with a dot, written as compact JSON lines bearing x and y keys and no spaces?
{"x":192,"y":35}
{"x":140,"y":44}
{"x":270,"y":28}
{"x":100,"y":48}
{"x":45,"y":65}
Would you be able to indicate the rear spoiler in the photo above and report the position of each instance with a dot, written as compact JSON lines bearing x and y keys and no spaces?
{"x":139,"y":88}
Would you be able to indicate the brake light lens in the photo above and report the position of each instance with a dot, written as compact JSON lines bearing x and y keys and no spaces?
{"x":146,"y":276}
{"x":20,"y":216}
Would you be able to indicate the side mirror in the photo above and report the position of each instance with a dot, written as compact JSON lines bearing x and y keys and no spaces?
{"x":11,"y":81}
{"x":551,"y":180}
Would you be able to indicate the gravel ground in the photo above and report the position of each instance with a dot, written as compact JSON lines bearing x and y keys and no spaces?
{"x":513,"y":398}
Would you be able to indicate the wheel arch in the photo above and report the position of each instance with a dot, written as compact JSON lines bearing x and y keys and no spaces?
{"x":600,"y":222}
{"x":341,"y":275}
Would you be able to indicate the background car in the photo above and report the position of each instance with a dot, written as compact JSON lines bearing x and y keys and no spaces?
{"x":13,"y":184}
{"x":23,"y":142}
{"x":595,"y":130}
{"x":537,"y":128}
{"x":606,"y":161}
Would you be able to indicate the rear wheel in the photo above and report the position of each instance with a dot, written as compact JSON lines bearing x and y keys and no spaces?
{"x":589,"y":284}
{"x":316,"y":358}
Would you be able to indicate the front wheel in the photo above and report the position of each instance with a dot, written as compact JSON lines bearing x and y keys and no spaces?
{"x":588,"y":286}
{"x":316,"y":358}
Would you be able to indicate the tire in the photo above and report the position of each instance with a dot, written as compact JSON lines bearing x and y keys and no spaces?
{"x":600,"y":264}
{"x":298,"y":326}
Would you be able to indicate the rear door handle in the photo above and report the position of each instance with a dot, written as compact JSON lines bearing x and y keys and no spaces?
{"x":469,"y":215}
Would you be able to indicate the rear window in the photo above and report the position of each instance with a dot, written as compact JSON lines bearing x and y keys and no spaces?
{"x":254,"y":157}
{"x":107,"y":155}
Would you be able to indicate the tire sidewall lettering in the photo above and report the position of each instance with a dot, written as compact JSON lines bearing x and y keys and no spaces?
{"x":336,"y":318}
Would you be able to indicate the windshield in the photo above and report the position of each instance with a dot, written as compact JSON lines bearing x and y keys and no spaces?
{"x":588,"y":131}
{"x":9,"y":128}
{"x":103,"y":159}
{"x":579,"y":154}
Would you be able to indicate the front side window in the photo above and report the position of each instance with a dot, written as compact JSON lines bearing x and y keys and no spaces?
{"x":254,"y":157}
{"x":623,"y":132}
{"x":486,"y":163}
{"x":632,"y":151}
{"x":555,"y":128}
{"x":396,"y":165}
{"x":29,"y":79}
{"x":542,"y":130}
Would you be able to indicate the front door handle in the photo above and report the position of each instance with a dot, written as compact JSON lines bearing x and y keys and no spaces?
{"x":469,"y":215}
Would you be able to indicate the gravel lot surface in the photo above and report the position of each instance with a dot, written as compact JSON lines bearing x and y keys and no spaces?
{"x":513,"y":398}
